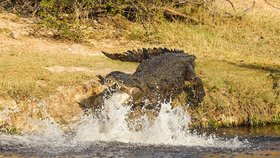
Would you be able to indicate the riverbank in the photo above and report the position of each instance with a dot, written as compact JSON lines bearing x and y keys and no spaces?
{"x":237,"y":59}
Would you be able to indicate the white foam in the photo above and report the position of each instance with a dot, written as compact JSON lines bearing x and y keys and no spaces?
{"x":169,"y":128}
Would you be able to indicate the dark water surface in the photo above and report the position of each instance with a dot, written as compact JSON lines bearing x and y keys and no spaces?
{"x":262,"y":142}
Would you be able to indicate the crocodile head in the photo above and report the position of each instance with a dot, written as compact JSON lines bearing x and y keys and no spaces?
{"x":123,"y":82}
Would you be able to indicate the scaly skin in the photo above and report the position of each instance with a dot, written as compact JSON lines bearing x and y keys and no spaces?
{"x":157,"y":79}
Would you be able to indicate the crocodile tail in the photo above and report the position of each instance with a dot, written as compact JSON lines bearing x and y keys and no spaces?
{"x":140,"y":54}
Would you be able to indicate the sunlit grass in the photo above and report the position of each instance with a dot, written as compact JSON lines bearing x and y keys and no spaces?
{"x":23,"y":74}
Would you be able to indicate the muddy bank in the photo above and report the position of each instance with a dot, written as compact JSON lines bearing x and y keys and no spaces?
{"x":63,"y":107}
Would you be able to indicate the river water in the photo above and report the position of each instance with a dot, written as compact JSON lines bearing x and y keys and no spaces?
{"x":167,"y":136}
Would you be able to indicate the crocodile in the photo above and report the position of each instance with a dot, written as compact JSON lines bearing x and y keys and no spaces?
{"x":160,"y":77}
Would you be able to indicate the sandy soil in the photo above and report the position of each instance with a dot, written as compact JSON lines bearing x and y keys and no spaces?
{"x":260,"y":7}
{"x":16,"y":34}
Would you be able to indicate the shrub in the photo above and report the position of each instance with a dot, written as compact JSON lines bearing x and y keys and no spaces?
{"x":65,"y":18}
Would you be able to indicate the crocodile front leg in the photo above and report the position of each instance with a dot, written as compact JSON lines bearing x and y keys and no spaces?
{"x":199,"y":92}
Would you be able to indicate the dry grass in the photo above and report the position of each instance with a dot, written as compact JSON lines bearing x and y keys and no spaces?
{"x":23,"y":74}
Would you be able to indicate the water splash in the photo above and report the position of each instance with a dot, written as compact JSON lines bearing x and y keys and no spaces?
{"x":169,"y":128}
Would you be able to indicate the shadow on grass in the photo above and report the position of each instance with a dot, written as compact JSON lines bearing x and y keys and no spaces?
{"x":274,"y":72}
{"x":269,"y":69}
